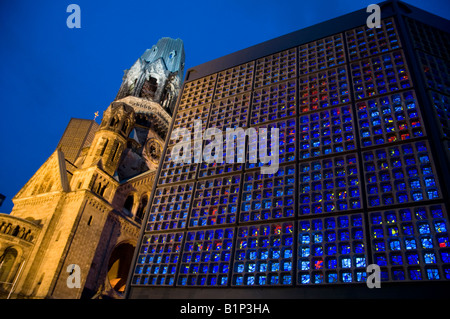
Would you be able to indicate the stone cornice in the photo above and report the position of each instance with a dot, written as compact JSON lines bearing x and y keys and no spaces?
{"x":37,"y":199}
{"x":149,"y":107}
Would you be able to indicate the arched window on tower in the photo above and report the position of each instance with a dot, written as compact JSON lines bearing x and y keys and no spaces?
{"x":141,"y":209}
{"x":103,"y":147}
{"x":98,"y":188}
{"x":119,"y":265}
{"x":15,"y":231}
{"x":102,"y":190}
{"x":115,"y":151}
{"x":7,"y":260}
{"x":124,"y":126}
{"x":129,"y":203}
{"x":114,"y":122}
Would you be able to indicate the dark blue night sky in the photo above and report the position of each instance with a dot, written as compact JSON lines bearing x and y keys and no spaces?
{"x":50,"y":73}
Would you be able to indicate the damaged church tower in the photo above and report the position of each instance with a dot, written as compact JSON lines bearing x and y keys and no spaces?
{"x":151,"y":87}
{"x":157,"y":75}
{"x":86,"y":209}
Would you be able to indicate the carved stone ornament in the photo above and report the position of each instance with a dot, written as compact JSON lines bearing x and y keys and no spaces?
{"x":154,"y":150}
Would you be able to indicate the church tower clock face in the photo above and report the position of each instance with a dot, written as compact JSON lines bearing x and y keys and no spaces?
{"x":154,"y":150}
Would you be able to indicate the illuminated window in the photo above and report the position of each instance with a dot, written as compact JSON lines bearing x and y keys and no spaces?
{"x":441,"y":105}
{"x":321,"y":54}
{"x":429,"y":39}
{"x":206,"y":258}
{"x":389,"y":119}
{"x":197,"y":93}
{"x":157,"y":260}
{"x":286,"y":143}
{"x":276,"y":68}
{"x":416,"y":231}
{"x":172,"y":171}
{"x":324,"y":89}
{"x":170,"y":207}
{"x":364,"y":42}
{"x":230,"y":113}
{"x":381,"y":74}
{"x":327,"y":132}
{"x":329,"y":244}
{"x":264,"y":255}
{"x":274,"y":102}
{"x":266,"y":197}
{"x":234,"y":81}
{"x":329,"y":185}
{"x":400,"y":174}
{"x":436,"y":72}
{"x":216,"y":201}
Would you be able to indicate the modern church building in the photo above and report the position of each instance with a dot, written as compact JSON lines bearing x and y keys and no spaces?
{"x":363,"y":179}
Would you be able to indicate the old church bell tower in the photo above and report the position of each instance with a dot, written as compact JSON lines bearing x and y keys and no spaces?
{"x":87,"y":211}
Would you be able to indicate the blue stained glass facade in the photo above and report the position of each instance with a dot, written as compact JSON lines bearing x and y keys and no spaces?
{"x":229,"y":113}
{"x":271,"y":196}
{"x":400,"y":174}
{"x":274,"y":102}
{"x":389,"y":119}
{"x":206,"y":258}
{"x":170,"y":207}
{"x":287,"y":142}
{"x":326,"y":132}
{"x":216,"y":201}
{"x":264,"y":255}
{"x":411,"y":243}
{"x":364,"y":42}
{"x":357,"y":181}
{"x":324,"y":89}
{"x":331,"y":250}
{"x":158,"y":258}
{"x":329,"y":185}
